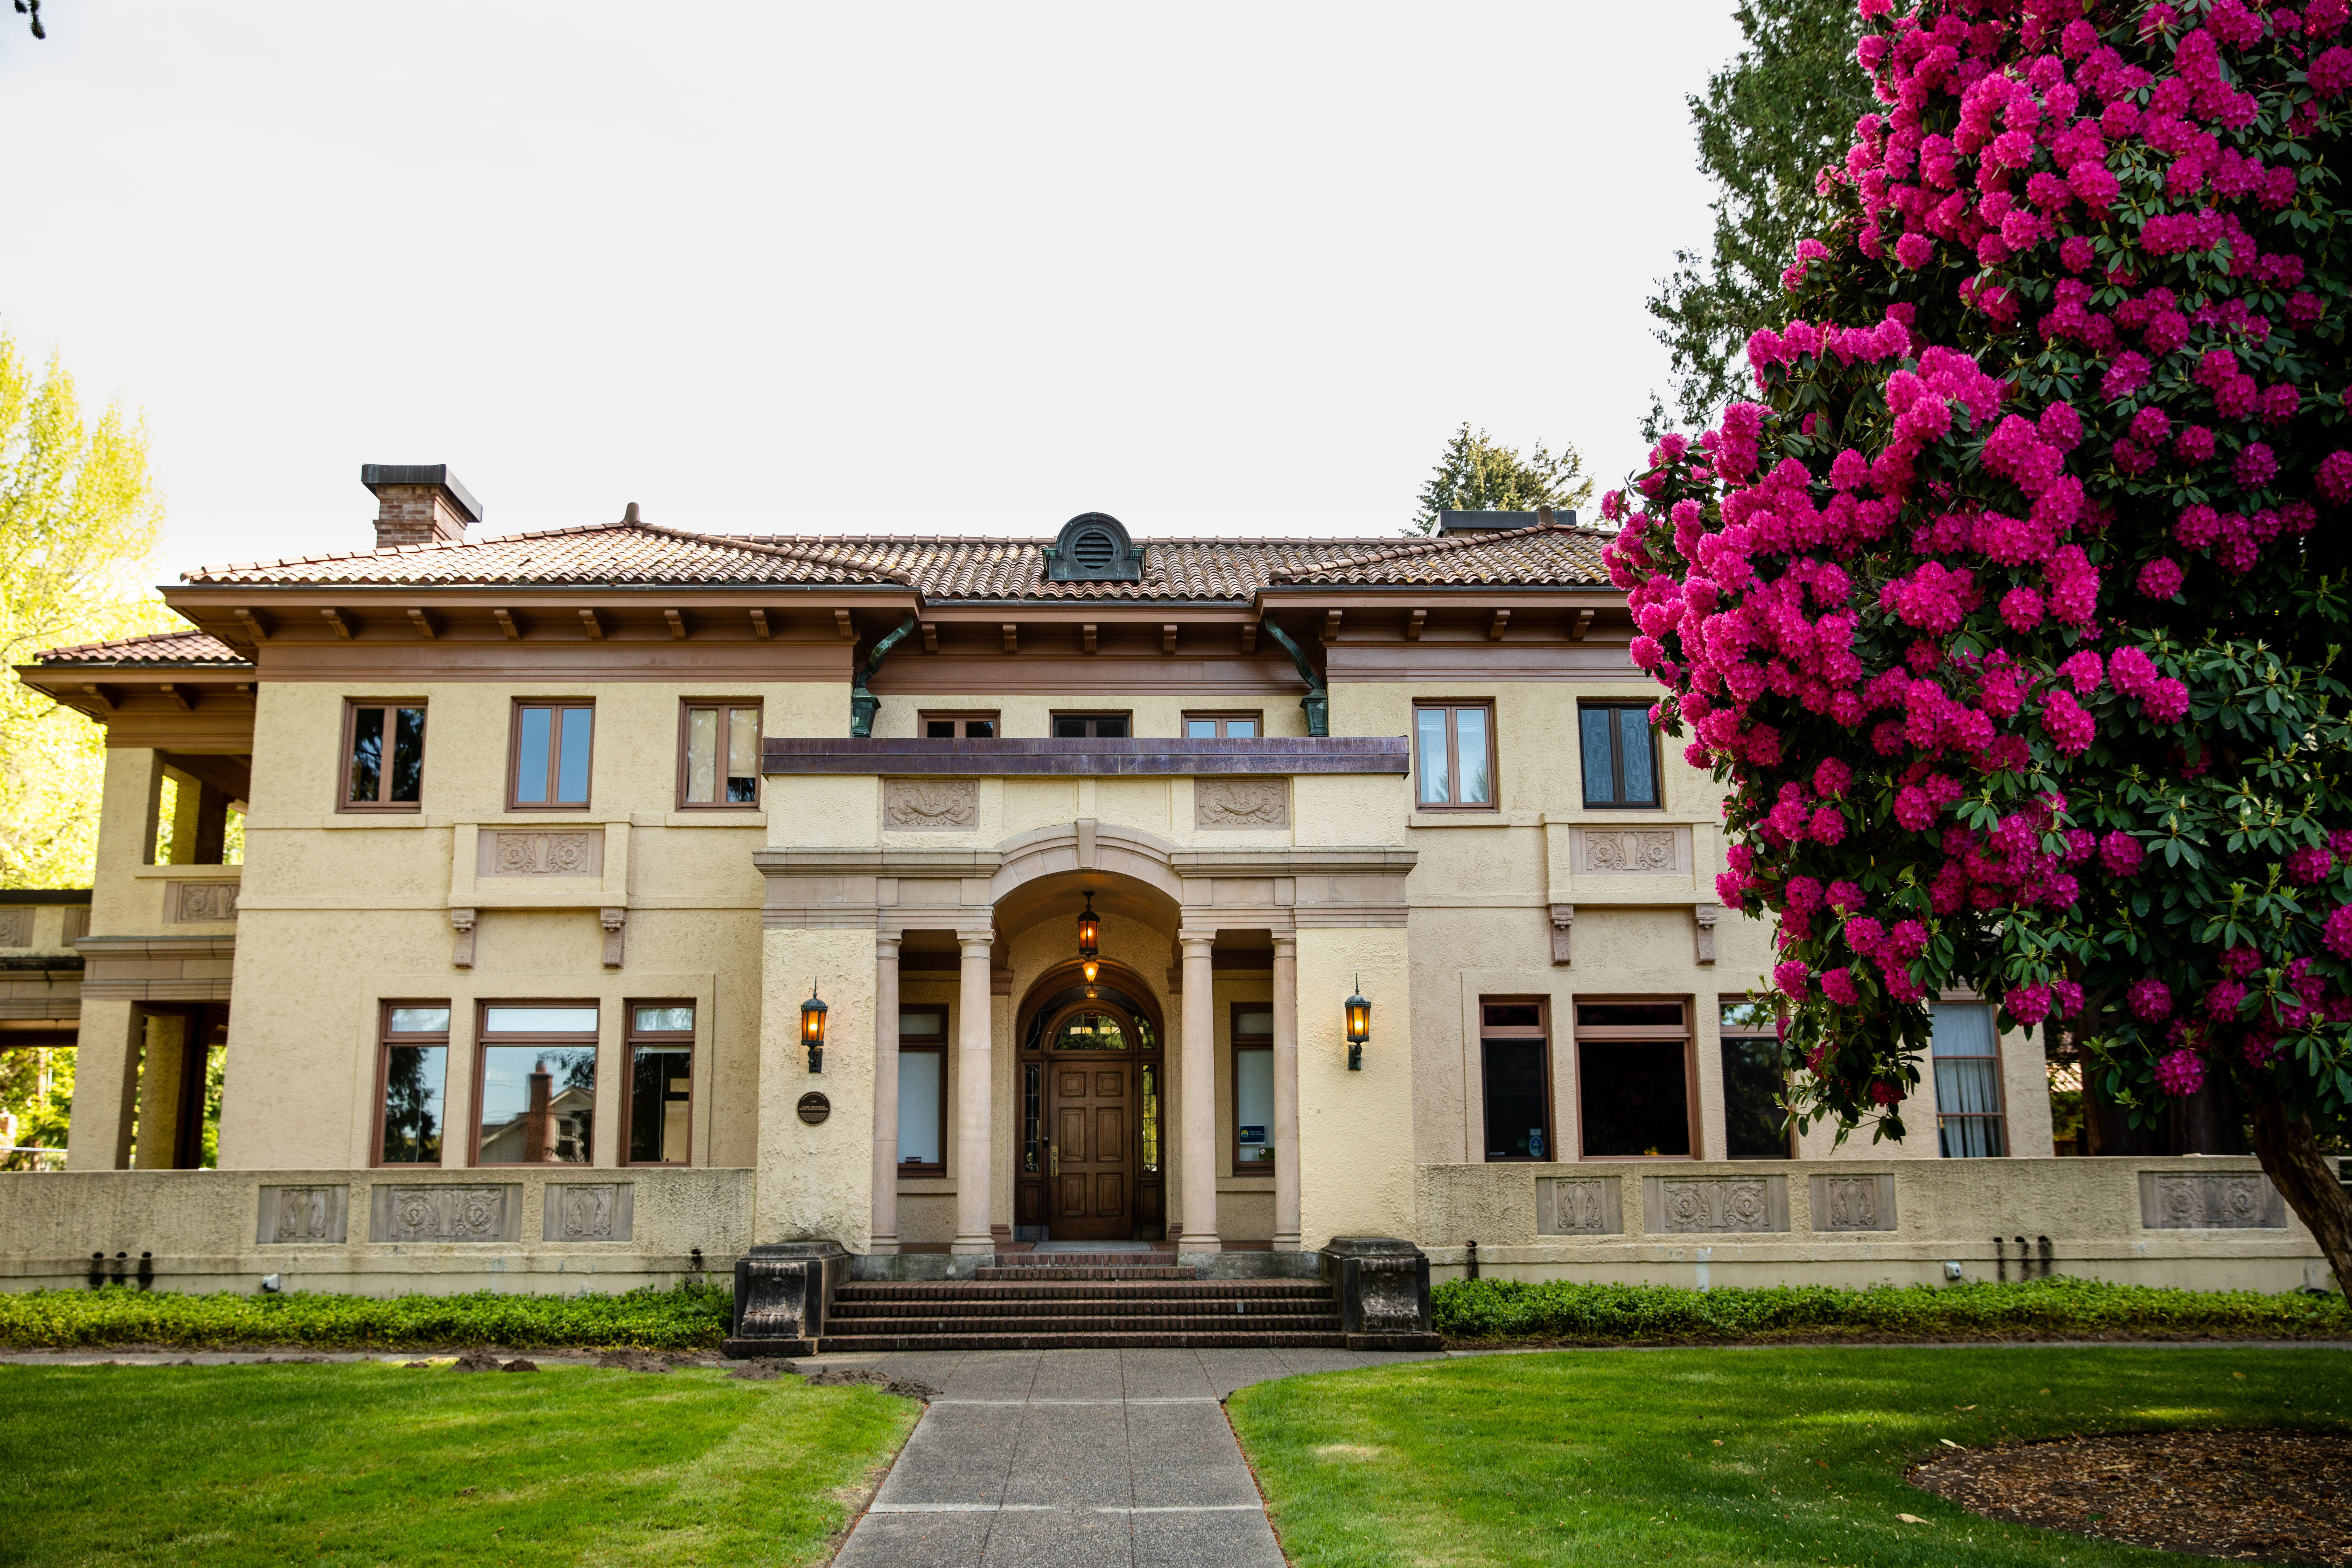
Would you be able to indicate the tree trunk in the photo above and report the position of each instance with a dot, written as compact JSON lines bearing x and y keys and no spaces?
{"x":2290,"y":1156}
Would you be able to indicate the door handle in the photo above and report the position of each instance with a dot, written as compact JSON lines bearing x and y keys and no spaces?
{"x":1053,"y":1160}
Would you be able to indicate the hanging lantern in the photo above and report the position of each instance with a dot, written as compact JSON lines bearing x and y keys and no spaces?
{"x":1089,"y":932}
{"x":1092,"y":970}
{"x":813,"y":1013}
{"x":1360,"y":1027}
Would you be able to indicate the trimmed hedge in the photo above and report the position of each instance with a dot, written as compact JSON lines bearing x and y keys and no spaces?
{"x":1489,"y":1310}
{"x":690,"y":1317}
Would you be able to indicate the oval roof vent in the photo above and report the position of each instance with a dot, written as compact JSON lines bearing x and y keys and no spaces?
{"x":1094,"y":547}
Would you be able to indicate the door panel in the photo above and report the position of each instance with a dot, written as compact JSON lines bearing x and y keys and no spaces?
{"x":1093,"y":1193}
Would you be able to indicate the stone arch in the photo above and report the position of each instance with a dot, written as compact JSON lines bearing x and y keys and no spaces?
{"x":1091,"y":854}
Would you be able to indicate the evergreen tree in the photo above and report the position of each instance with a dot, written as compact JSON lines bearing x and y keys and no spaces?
{"x":1478,"y":473}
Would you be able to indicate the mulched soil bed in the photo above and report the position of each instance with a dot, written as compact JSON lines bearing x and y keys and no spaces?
{"x":2255,"y":1497}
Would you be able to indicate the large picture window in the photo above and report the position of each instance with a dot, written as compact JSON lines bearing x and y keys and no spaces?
{"x":1621,"y":754}
{"x":535,"y":1084}
{"x":718,"y":756}
{"x":1252,"y":1038}
{"x":923,"y":1091}
{"x":414,"y":1063}
{"x":383,"y":756}
{"x":1515,"y":1062}
{"x":1632,"y":1077}
{"x":552,"y":746}
{"x":1454,"y":756}
{"x":1967,"y":1053}
{"x":1754,"y":1125}
{"x":660,"y":1110}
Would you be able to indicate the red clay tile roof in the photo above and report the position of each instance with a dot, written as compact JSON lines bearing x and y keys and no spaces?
{"x":190,"y":647}
{"x":950,"y":568}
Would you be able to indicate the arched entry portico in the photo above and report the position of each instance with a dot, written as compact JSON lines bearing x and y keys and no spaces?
{"x":1091,"y":1075}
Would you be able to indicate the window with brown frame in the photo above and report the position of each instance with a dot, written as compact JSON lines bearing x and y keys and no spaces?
{"x":1454,"y":756}
{"x":1754,"y":1082}
{"x":1253,"y":1041}
{"x":923,"y":1089}
{"x":958,"y":726}
{"x":554,"y":744}
{"x":383,"y":756}
{"x":1515,"y":1064}
{"x":657,"y":1118}
{"x":1633,"y":1077}
{"x":535,"y":1083}
{"x":411,"y":1068}
{"x":1092,"y":726}
{"x":1223,"y":726}
{"x":718,"y":755}
{"x":1621,"y":754}
{"x":1966,"y":1048}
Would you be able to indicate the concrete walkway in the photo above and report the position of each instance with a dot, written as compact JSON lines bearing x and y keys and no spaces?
{"x":1078,"y":1459}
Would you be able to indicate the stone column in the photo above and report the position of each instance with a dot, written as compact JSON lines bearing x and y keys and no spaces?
{"x":974,"y":1081}
{"x":1285,"y":1093}
{"x":886,"y":1092}
{"x":164,"y":1063}
{"x":1197,"y":1092}
{"x":106,"y":1085}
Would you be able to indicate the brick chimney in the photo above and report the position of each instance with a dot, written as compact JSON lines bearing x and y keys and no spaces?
{"x":419,"y":503}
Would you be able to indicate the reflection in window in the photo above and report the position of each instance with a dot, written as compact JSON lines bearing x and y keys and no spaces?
{"x":1619,"y":754}
{"x":661,"y":1083}
{"x":1753,"y":1126}
{"x":374,"y":778}
{"x":552,"y":755}
{"x":1090,"y":1032}
{"x":415,"y":1067}
{"x":1453,"y":755}
{"x":539,"y":1104}
{"x":1966,"y":1055}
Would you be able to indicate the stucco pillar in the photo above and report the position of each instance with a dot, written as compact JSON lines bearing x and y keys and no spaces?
{"x":1197,"y":1094}
{"x":163,"y":1062}
{"x":976,"y":1083}
{"x":106,"y":1085}
{"x":1285,"y":1093}
{"x":886,"y":1092}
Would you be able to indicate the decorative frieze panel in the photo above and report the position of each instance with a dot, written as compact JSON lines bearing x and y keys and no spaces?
{"x":1579,"y":1205}
{"x":1631,"y":851}
{"x":1241,"y":803}
{"x":17,"y":927}
{"x":199,"y":903}
{"x":931,"y":806}
{"x":1853,"y":1203}
{"x":297,"y":1214}
{"x":477,"y":1213}
{"x":590,"y":1211}
{"x":2197,"y":1200}
{"x":1702,"y":1205}
{"x":530,"y":852}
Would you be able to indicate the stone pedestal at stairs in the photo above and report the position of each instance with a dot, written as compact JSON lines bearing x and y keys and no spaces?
{"x":783,"y":1295}
{"x":1381,"y":1289}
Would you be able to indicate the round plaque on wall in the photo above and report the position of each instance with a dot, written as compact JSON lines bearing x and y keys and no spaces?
{"x":814,"y":1108}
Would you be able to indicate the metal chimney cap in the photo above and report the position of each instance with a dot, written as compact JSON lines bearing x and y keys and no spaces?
{"x":374,"y":475}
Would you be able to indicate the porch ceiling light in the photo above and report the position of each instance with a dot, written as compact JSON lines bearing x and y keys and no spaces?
{"x":813,"y":1013}
{"x":1090,"y":932}
{"x":1359,"y":1026}
{"x":1092,"y":969}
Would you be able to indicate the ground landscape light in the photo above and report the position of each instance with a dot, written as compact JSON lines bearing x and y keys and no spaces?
{"x":1359,"y":1026}
{"x":813,"y":1013}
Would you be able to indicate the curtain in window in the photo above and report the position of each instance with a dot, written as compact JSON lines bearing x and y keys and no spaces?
{"x":1968,"y":1082}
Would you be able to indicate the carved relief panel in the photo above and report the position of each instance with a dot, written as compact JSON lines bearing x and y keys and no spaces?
{"x":1241,"y":803}
{"x":17,"y":927}
{"x":1853,"y":1203}
{"x":199,"y":903}
{"x":528,"y":852}
{"x":2194,"y":1200}
{"x":293,"y":1215}
{"x":485,"y":1213}
{"x":1660,"y":851}
{"x":1579,"y":1205}
{"x":931,"y":806}
{"x":589,"y":1211}
{"x":1674,"y":1205}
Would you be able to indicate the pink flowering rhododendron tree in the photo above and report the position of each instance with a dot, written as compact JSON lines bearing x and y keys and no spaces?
{"x":2009,"y":615}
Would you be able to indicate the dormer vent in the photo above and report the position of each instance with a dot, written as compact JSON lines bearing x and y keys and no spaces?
{"x":1093,"y":547}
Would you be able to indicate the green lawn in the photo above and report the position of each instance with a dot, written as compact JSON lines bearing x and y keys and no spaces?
{"x":367,"y":1464}
{"x":1700,"y":1456}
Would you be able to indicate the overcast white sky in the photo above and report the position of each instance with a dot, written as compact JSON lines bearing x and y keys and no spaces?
{"x":852,"y":268}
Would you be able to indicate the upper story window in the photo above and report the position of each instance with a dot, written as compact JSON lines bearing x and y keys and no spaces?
{"x":1967,"y":1053}
{"x":718,"y":756}
{"x":1090,"y":726}
{"x":1454,"y":756}
{"x":1621,"y":754}
{"x":947,"y":726}
{"x":552,"y":740}
{"x":383,"y":756}
{"x":1223,"y":726}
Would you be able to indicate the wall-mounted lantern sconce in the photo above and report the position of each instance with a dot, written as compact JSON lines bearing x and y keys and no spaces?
{"x":1090,"y":932}
{"x":813,"y":1013}
{"x":1360,"y":1027}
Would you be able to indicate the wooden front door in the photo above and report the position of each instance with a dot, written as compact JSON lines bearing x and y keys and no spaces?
{"x":1090,"y":1191}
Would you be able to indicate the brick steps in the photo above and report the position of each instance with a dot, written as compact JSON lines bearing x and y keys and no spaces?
{"x":1083,"y":1301}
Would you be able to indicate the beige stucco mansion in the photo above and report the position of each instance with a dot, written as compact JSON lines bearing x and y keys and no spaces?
{"x":1084,"y":844}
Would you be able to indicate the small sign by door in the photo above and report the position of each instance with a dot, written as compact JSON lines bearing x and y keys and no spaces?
{"x":814,"y":1108}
